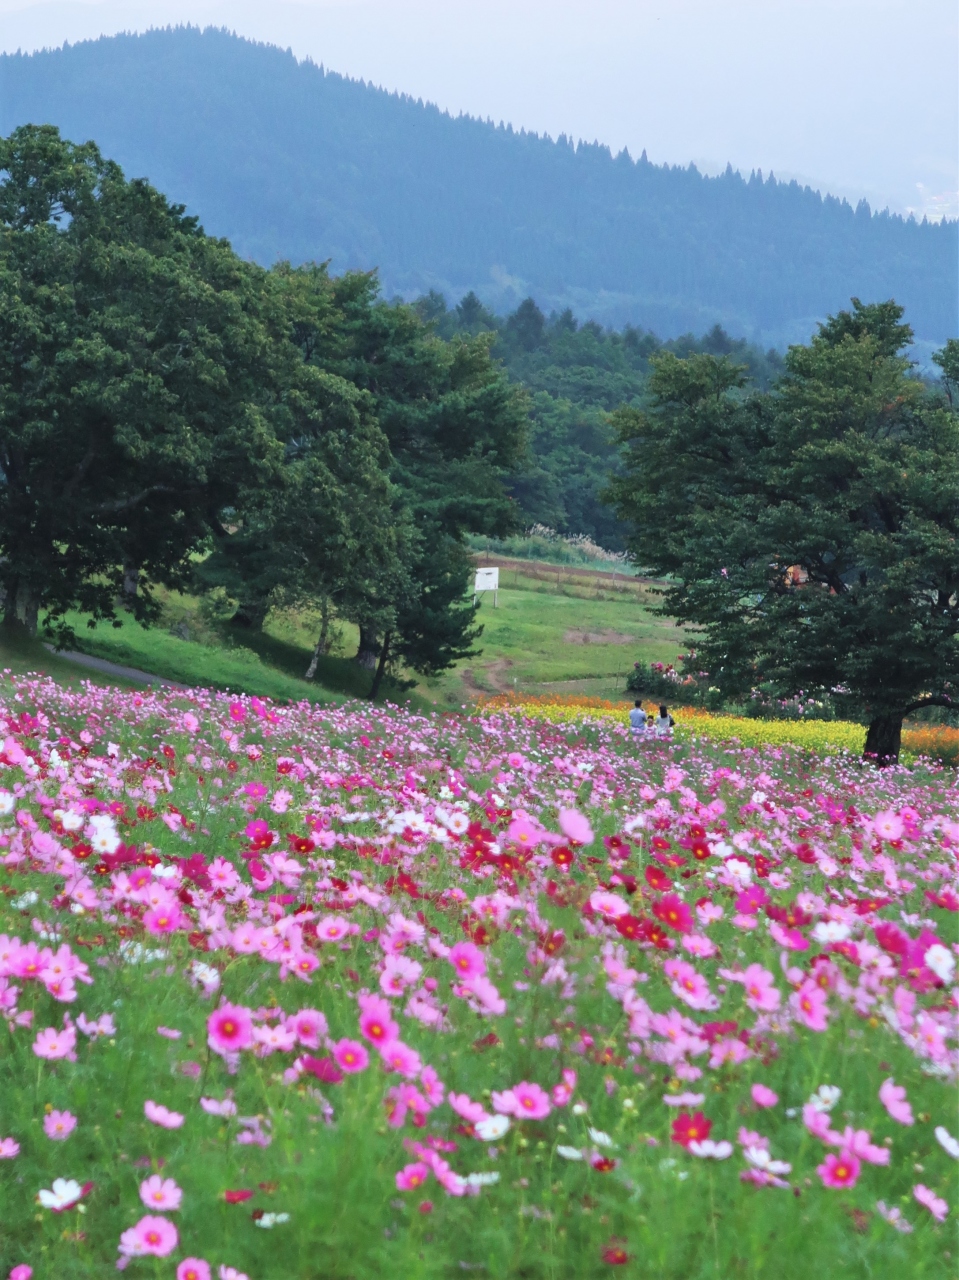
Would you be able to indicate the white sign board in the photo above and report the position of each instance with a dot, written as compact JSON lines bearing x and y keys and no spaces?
{"x":486,"y":580}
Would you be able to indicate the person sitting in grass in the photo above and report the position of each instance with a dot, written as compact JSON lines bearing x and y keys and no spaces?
{"x":637,"y":722}
{"x":663,"y":724}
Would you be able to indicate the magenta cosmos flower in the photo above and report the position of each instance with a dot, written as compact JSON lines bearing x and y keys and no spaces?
{"x":21,"y":1272}
{"x":839,"y":1171}
{"x":412,"y":1176}
{"x":156,"y":1113}
{"x":161,"y":1194}
{"x":229,"y":1029}
{"x":58,"y":1125}
{"x":525,"y":1101}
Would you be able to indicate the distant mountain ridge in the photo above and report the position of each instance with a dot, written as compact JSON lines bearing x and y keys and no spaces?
{"x":290,"y":161}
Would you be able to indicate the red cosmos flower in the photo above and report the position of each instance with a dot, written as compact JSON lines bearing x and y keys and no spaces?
{"x":237,"y":1197}
{"x":631,"y":926}
{"x":657,"y":936}
{"x":562,"y":856}
{"x":300,"y":844}
{"x":673,"y":913}
{"x":690,"y":1128}
{"x":657,"y":879}
{"x":615,"y":1254}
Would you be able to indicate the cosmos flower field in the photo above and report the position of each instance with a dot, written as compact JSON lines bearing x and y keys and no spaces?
{"x":298,"y":992}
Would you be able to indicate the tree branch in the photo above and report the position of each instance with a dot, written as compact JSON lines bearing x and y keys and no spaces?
{"x":124,"y":504}
{"x":932,"y":700}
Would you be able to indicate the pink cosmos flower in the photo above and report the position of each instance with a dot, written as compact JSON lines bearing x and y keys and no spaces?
{"x":21,"y":1272}
{"x":161,"y":920}
{"x":463,"y":1105}
{"x":936,"y":1206}
{"x":151,"y":1235}
{"x":575,"y":827}
{"x":58,"y":1125}
{"x":229,"y":1029}
{"x":333,"y":929}
{"x":399,"y":1057}
{"x":525,"y":1101}
{"x":412,"y":1176}
{"x":193,"y":1269}
{"x":216,"y":1107}
{"x":231,"y":1273}
{"x":161,"y":1194}
{"x":893,"y":1098}
{"x":9,"y":1148}
{"x":838,"y":1172}
{"x":376,"y":1021}
{"x":468,"y":961}
{"x":859,"y":1142}
{"x":53,"y":1044}
{"x":156,"y":1113}
{"x":350,"y":1056}
{"x":817,"y":1122}
{"x":888,"y":825}
{"x":761,"y":990}
{"x":893,"y":1217}
{"x":310,"y":1027}
{"x":169,"y":1033}
{"x":563,"y":1091}
{"x":810,"y":1006}
{"x":764,"y":1097}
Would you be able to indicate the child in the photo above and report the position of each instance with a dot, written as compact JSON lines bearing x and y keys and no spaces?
{"x":637,"y":722}
{"x":663,"y":725}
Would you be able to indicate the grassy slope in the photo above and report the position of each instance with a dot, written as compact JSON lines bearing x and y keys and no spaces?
{"x":553,"y":630}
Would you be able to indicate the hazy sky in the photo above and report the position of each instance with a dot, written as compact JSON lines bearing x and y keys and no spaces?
{"x":860,"y":97}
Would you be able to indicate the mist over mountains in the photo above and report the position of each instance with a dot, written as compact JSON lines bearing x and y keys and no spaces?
{"x":293,"y":162}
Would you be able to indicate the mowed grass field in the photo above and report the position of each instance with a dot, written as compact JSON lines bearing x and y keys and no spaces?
{"x":556,"y":629}
{"x":565,"y":631}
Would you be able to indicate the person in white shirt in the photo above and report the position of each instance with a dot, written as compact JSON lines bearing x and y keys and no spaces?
{"x":637,"y":722}
{"x":663,"y":724}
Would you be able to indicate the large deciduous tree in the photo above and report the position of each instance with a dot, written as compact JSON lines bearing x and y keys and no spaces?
{"x":142,"y":366}
{"x":812,"y":533}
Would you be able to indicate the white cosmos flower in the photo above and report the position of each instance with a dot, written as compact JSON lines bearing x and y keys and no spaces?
{"x":826,"y":1097}
{"x":65,"y":1192}
{"x":707,"y":1149}
{"x":831,"y":931}
{"x":947,"y":1141}
{"x":491,"y":1128}
{"x":26,"y":899}
{"x":268,"y":1220}
{"x":941,"y":961}
{"x":6,"y":803}
{"x":760,"y":1158}
{"x":601,"y":1139}
{"x":482,"y":1179}
{"x":569,"y":1153}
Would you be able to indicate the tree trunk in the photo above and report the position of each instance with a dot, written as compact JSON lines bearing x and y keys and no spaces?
{"x":131,"y":585}
{"x":883,"y":740}
{"x":381,"y":667}
{"x":322,"y":643}
{"x":368,"y":652}
{"x":250,"y":615}
{"x":28,"y":608}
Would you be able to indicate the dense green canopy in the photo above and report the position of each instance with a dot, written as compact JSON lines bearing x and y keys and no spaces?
{"x":811,"y":532}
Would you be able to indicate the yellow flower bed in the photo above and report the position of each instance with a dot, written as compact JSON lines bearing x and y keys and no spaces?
{"x":822,"y":736}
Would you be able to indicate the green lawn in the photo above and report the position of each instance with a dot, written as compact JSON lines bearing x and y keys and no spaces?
{"x":569,"y":635}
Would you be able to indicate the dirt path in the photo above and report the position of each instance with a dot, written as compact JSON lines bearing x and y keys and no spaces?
{"x":493,"y":675}
{"x":107,"y":668}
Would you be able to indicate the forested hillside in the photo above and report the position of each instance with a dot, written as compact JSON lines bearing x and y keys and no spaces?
{"x":576,"y":375}
{"x":290,"y":161}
